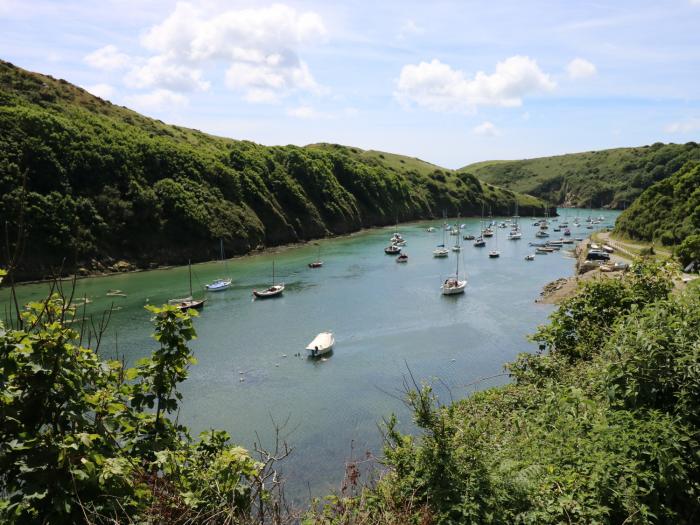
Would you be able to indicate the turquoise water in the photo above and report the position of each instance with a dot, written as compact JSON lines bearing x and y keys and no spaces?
{"x":386,"y":317}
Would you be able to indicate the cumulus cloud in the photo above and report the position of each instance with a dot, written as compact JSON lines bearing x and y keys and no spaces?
{"x":161,"y":72}
{"x":580,"y":68}
{"x":486,"y":129}
{"x":104,"y":91}
{"x":438,"y":87}
{"x":684,"y":126}
{"x":263,"y":83}
{"x":157,"y":100}
{"x":108,"y":58}
{"x":260,"y":44}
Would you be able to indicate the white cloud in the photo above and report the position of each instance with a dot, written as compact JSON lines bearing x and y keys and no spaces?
{"x":580,"y":68}
{"x":438,"y":87}
{"x":695,"y":2}
{"x":683,"y":126}
{"x":260,"y":44}
{"x":263,"y":83}
{"x":486,"y":129}
{"x":309,"y":112}
{"x":104,"y":91}
{"x":305,"y":112}
{"x":409,"y":28}
{"x":157,"y":100}
{"x":159,"y":72}
{"x":108,"y":58}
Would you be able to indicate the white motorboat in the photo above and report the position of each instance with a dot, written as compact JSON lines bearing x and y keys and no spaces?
{"x":515,"y":235}
{"x":392,"y":250}
{"x":430,"y":229}
{"x":321,"y":344}
{"x":530,"y":257}
{"x":493,"y":254}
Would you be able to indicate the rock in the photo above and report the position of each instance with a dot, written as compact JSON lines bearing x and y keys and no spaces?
{"x":122,"y":266}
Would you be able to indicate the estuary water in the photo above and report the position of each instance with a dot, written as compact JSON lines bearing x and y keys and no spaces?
{"x":386,"y":317}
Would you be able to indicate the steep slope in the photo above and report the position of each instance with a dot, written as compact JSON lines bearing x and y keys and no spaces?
{"x":608,"y":178}
{"x":84,"y":181}
{"x":668,"y":211}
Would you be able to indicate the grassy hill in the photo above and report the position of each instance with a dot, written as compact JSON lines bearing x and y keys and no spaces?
{"x":668,"y":211}
{"x":84,"y":181}
{"x":608,"y":178}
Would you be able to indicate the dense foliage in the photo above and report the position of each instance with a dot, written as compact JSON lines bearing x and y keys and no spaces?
{"x":612,"y":178}
{"x":601,"y":427}
{"x":83,"y":179}
{"x":84,"y":440}
{"x":667,"y":212}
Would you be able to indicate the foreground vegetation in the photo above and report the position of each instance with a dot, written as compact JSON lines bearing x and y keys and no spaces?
{"x":601,"y":427}
{"x":84,"y":182}
{"x":609,"y":178}
{"x":85,"y":440}
{"x":668,"y":213}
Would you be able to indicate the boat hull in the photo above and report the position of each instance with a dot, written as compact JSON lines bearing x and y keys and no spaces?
{"x":454,"y":288}
{"x":272,"y":291}
{"x":322,"y":344}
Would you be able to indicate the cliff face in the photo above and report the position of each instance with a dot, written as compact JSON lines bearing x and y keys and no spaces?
{"x":84,"y":182}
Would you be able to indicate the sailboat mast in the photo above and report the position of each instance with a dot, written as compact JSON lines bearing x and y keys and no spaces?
{"x":273,"y":272}
{"x":189,"y":266}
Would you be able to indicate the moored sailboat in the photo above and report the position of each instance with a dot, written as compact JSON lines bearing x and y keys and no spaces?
{"x":222,"y":283}
{"x":187,"y":303}
{"x":273,"y":290}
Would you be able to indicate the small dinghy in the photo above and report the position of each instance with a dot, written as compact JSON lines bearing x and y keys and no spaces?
{"x":322,"y":344}
{"x":530,"y":257}
{"x":402,"y":258}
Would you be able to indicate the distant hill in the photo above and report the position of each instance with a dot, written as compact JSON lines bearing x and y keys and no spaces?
{"x":668,"y":211}
{"x":609,"y":178}
{"x":87,"y":182}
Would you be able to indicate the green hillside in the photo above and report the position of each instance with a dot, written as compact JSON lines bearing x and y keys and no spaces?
{"x":608,"y":178}
{"x":668,"y":211}
{"x":84,"y":181}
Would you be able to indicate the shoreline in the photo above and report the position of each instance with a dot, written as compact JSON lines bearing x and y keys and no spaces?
{"x":258,"y":251}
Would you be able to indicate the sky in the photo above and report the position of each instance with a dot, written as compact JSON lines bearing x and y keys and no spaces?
{"x":451,"y":82}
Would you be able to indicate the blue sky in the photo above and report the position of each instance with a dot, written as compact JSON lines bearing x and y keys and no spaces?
{"x":451,"y":82}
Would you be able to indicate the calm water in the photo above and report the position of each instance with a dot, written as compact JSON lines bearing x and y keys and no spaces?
{"x":385,"y":316}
